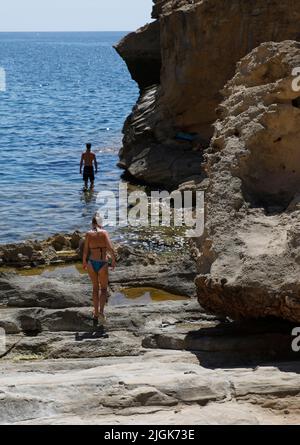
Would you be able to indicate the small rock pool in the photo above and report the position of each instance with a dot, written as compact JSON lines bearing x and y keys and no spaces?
{"x":125,"y":296}
{"x":142,"y":295}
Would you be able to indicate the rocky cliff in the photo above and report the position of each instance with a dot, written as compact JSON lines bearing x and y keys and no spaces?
{"x":248,"y":257}
{"x":181,"y":61}
{"x":249,"y":254}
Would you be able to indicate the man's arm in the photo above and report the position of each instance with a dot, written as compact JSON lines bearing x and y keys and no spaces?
{"x":96,"y":163}
{"x":81,"y":162}
{"x":85,"y":251}
{"x":111,"y":250}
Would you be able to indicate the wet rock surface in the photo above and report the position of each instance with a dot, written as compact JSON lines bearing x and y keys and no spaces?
{"x":166,"y":362}
{"x":142,"y":370}
{"x":137,"y":268}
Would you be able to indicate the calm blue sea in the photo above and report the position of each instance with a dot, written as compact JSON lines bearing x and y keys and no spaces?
{"x":63,"y":89}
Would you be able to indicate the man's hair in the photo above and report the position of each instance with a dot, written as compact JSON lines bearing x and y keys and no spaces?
{"x":88,"y":146}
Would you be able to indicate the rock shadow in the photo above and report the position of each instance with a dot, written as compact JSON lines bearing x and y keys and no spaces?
{"x":247,"y":344}
{"x":234,"y":344}
{"x":93,"y":335}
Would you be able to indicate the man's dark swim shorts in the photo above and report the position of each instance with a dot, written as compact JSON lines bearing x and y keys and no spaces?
{"x":88,"y":173}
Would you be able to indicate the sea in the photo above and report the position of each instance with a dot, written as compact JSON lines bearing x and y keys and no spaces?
{"x":62,"y":90}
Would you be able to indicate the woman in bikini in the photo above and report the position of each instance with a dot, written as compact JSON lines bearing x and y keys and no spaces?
{"x":97,"y":245}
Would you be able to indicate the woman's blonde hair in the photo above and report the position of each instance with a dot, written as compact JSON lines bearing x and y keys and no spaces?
{"x":97,"y":220}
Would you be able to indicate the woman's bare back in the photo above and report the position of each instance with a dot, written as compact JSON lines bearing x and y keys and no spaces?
{"x":97,"y":244}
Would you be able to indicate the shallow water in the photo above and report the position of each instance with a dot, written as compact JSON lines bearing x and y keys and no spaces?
{"x":63,"y":89}
{"x":142,"y":295}
{"x":126,"y":296}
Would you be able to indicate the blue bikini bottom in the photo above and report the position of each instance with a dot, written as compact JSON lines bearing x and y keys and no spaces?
{"x":97,"y":265}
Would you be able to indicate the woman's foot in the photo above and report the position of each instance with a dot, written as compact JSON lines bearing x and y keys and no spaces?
{"x":95,"y":320}
{"x":102,"y":319}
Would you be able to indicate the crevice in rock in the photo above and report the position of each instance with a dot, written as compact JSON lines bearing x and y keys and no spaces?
{"x":10,"y":349}
{"x":272,"y":203}
{"x":30,"y":326}
{"x":296,"y":102}
{"x":271,"y":173}
{"x":232,"y":344}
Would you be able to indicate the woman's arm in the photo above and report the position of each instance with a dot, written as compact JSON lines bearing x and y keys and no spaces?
{"x":111,"y":250}
{"x":85,"y":251}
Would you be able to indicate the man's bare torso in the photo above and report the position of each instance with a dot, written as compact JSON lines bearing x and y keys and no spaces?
{"x":88,"y":159}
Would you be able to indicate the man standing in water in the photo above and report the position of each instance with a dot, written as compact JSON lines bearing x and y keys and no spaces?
{"x":88,"y":159}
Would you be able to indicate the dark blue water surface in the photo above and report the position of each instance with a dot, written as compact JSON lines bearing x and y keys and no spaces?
{"x":63,"y":89}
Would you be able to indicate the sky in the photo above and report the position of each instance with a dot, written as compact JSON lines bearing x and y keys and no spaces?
{"x":73,"y":15}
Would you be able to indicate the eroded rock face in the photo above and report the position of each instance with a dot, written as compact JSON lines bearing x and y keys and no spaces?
{"x":211,"y":37}
{"x":249,"y":255}
{"x":141,"y":51}
{"x":200,"y":43}
{"x":166,"y":6}
{"x":145,"y":158}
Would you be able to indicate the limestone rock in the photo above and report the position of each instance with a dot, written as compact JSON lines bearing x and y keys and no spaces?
{"x":165,"y":6}
{"x":127,"y":390}
{"x":44,"y":292}
{"x":249,"y":254}
{"x":57,"y":369}
{"x":230,"y":344}
{"x":141,"y":52}
{"x":200,"y":43}
{"x":145,"y":158}
{"x":59,"y":242}
{"x":56,"y":249}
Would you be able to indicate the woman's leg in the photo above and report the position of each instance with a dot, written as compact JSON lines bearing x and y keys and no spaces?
{"x":103,"y":284}
{"x":94,"y":278}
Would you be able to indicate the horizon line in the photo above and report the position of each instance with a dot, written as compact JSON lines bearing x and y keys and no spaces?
{"x":40,"y":32}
